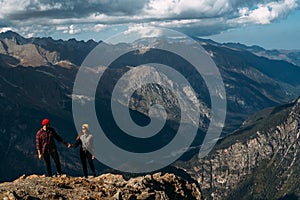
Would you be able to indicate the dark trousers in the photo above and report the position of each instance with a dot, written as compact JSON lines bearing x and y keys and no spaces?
{"x":55,"y":157}
{"x":85,"y":155}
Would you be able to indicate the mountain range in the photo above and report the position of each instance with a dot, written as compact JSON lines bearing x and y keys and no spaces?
{"x":37,"y":78}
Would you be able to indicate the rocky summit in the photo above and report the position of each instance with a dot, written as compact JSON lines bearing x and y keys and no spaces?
{"x":107,"y":186}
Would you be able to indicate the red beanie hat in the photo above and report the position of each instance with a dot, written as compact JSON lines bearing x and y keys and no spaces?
{"x":45,"y":121}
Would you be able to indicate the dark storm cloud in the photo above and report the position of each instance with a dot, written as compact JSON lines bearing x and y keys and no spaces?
{"x":76,"y":9}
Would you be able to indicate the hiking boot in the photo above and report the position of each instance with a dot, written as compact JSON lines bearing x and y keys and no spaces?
{"x":58,"y":174}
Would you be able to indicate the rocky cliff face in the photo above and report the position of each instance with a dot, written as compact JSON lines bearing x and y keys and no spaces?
{"x":107,"y":186}
{"x":259,"y":161}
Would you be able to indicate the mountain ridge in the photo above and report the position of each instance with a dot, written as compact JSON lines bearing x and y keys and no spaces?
{"x":256,"y":162}
{"x":52,"y":45}
{"x":292,"y":56}
{"x":44,"y":51}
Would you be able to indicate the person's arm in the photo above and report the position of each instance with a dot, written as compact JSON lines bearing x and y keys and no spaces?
{"x":77,"y":142}
{"x":38,"y":145}
{"x":58,"y":138}
{"x":92,"y":147}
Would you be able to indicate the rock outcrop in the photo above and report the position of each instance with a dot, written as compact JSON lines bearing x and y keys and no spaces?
{"x":107,"y":186}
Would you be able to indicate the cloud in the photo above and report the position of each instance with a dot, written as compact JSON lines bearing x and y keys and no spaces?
{"x":67,"y":8}
{"x":99,"y":27}
{"x":189,"y":8}
{"x":266,"y":13}
{"x":73,"y":29}
{"x":4,"y":29}
{"x":143,"y":31}
{"x":62,"y":28}
{"x":197,"y":17}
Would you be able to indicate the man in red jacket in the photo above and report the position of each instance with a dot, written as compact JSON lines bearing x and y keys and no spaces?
{"x":46,"y":146}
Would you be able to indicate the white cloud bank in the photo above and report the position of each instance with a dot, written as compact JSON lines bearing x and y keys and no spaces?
{"x":196,"y":17}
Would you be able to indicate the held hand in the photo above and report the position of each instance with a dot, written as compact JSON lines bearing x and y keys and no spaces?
{"x":40,"y":156}
{"x":69,"y":145}
{"x":93,"y":157}
{"x":66,"y":144}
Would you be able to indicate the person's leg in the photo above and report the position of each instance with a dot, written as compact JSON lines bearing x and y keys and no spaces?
{"x":55,"y":157}
{"x":83,"y":162}
{"x":91,"y":163}
{"x":48,"y":164}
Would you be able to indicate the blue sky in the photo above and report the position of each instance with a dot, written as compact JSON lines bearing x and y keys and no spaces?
{"x":272,"y":24}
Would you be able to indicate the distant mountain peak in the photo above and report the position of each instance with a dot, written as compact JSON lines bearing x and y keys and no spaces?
{"x":243,"y":46}
{"x":15,"y":37}
{"x":9,"y":35}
